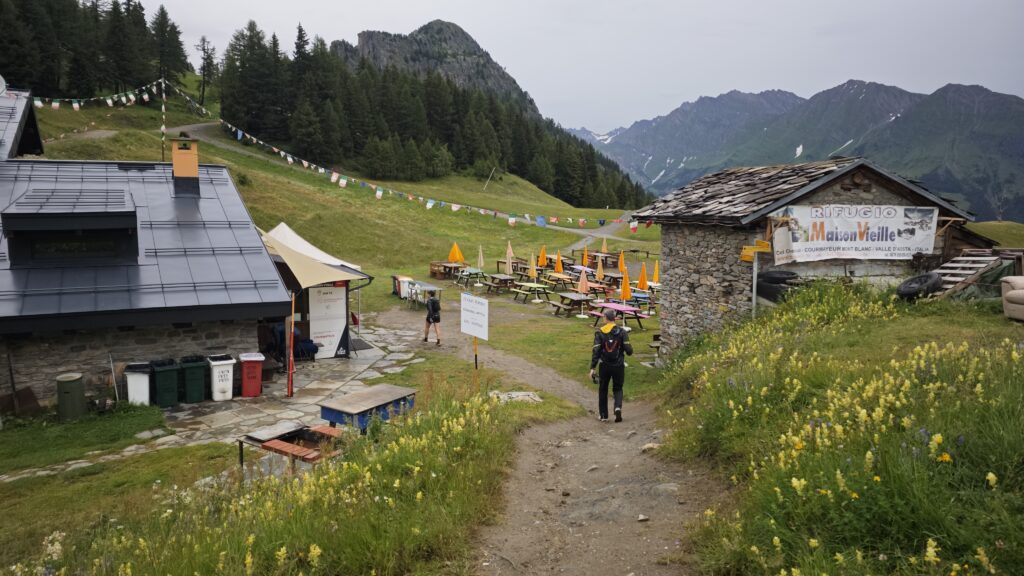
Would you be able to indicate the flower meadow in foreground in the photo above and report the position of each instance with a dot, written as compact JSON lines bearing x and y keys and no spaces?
{"x":908,"y":462}
{"x":402,"y":497}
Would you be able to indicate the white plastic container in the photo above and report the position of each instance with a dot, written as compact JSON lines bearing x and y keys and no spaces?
{"x":137,"y":376}
{"x":222,"y":376}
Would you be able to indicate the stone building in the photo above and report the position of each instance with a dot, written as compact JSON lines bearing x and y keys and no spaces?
{"x":120,"y":261}
{"x":706,"y":224}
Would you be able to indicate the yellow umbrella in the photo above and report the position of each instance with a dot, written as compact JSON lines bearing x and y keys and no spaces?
{"x":642,"y":283}
{"x":626,"y":293}
{"x":533,"y":267}
{"x":509,"y":257}
{"x":600,"y":269}
{"x":542,"y":259}
{"x":586,"y":257}
{"x":604,"y":245}
{"x":558,"y":262}
{"x":455,"y":255}
{"x":656,"y":277}
{"x":622,"y":261}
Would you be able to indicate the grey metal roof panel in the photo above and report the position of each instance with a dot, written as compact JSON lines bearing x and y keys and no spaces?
{"x":193,"y":253}
{"x":18,"y":130}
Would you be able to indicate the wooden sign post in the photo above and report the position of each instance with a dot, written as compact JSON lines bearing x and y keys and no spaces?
{"x":749,"y":254}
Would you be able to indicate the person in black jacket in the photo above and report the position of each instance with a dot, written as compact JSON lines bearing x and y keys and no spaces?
{"x":611,"y":344}
{"x":433,"y":317}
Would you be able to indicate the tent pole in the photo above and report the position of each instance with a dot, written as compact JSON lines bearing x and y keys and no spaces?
{"x":291,"y":350}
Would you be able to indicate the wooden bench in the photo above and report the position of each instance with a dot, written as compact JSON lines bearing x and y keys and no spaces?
{"x":437,"y":270}
{"x":656,"y":344}
{"x":517,"y":292}
{"x":492,"y":286}
{"x":559,"y":308}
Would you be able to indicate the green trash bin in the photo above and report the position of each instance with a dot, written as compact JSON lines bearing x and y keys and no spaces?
{"x":193,"y":377}
{"x":165,"y":383}
{"x":70,"y":397}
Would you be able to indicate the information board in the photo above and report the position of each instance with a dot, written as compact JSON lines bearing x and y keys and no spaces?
{"x":474,"y":315}
{"x":328,"y":318}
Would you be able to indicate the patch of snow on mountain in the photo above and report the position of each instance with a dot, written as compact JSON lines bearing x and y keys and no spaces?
{"x":799,"y":151}
{"x":660,"y":174}
{"x":894,"y":116}
{"x":649,"y":158}
{"x":603,"y":138}
{"x":848,"y":142}
{"x":681,"y":164}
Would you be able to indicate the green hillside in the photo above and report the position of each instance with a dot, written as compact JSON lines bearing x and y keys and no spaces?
{"x":1007,"y":234}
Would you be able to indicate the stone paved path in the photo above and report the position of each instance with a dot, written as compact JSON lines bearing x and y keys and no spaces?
{"x":206,"y":422}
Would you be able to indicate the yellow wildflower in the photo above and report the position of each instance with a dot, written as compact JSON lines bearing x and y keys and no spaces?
{"x":934,"y":443}
{"x":776,"y":542}
{"x":854,"y":496}
{"x":876,"y":478}
{"x":248,"y":563}
{"x":839,"y":558}
{"x":813,"y":543}
{"x":945,"y":457}
{"x":798,"y":485}
{"x":281,"y":555}
{"x":992,"y":480}
{"x":931,"y":553}
{"x":984,"y":561}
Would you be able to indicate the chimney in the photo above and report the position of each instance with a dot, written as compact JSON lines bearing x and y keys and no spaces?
{"x":185,"y":163}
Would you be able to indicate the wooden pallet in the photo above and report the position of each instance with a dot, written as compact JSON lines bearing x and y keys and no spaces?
{"x":962,"y":271}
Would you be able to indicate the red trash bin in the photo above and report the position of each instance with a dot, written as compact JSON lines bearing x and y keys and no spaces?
{"x":252,"y":374}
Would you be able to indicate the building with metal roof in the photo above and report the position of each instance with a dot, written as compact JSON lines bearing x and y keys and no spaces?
{"x":138,"y":260}
{"x":837,"y":217}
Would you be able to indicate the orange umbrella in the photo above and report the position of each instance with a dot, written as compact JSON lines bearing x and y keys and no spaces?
{"x":627,"y":294}
{"x":604,"y":245}
{"x":656,"y":277}
{"x":558,"y":262}
{"x":455,"y":255}
{"x":509,"y":257}
{"x":586,"y":257}
{"x":533,"y":267}
{"x":622,"y":261}
{"x":642,"y":283}
{"x":584,"y":286}
{"x":542,"y":259}
{"x":600,"y":269}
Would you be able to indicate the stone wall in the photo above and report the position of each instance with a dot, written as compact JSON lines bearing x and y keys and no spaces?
{"x":705,"y":284}
{"x":39,"y":358}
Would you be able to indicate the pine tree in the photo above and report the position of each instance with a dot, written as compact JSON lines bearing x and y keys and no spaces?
{"x":306,"y":133}
{"x":300,"y":61}
{"x":115,"y":47}
{"x":330,"y":149}
{"x":413,"y":167}
{"x":171,"y":61}
{"x":18,"y":58}
{"x":207,"y":66}
{"x":47,"y":71}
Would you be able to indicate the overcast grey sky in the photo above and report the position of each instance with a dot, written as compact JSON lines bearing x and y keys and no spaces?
{"x":606,"y":63}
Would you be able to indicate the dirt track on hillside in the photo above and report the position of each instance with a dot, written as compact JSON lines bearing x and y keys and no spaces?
{"x":577,"y":489}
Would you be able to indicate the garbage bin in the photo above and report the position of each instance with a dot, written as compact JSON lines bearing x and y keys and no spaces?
{"x":222,"y":376}
{"x":165,"y":383}
{"x":137,"y":375}
{"x":252,"y":374}
{"x":193,"y":377}
{"x":70,"y":397}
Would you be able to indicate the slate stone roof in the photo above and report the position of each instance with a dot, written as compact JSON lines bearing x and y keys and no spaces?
{"x":739,"y":196}
{"x":200,"y":258}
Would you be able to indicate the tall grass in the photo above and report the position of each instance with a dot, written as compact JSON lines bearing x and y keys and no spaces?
{"x":402,"y":496}
{"x":872,"y":463}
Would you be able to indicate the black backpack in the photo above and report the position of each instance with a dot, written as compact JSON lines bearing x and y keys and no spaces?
{"x":611,"y":347}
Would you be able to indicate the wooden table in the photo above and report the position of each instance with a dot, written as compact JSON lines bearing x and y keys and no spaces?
{"x":572,"y":301}
{"x":358,"y":408}
{"x":562,"y":279}
{"x":500,"y":267}
{"x":468,"y":274}
{"x":451,"y":269}
{"x":622,"y":311}
{"x":499,"y":282}
{"x":614,"y":278}
{"x":531,"y":288}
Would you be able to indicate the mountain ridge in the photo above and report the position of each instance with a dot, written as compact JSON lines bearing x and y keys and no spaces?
{"x":962,"y":141}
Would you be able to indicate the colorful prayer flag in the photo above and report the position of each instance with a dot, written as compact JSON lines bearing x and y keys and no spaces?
{"x":74,"y":104}
{"x":37,"y":103}
{"x":455,"y":207}
{"x":600,"y":221}
{"x":582,"y":222}
{"x":305,"y":164}
{"x":648,"y":223}
{"x":542,"y":222}
{"x":343,"y":182}
{"x":145,"y":97}
{"x":55,"y":105}
{"x":553,"y":219}
{"x":380,"y":193}
{"x":290,"y":159}
{"x":110,"y":102}
{"x":239,"y":136}
{"x":511,"y":219}
{"x":430,"y":204}
{"x":632,"y":226}
{"x":334,"y":177}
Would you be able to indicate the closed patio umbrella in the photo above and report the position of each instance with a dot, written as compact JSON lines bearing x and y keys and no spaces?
{"x":509,"y":257}
{"x":542,"y":258}
{"x":455,"y":255}
{"x":622,"y":261}
{"x":558,"y":262}
{"x":641,"y":284}
{"x":586,"y":257}
{"x":625,"y":292}
{"x":600,"y":270}
{"x":656,"y":277}
{"x":604,"y":245}
{"x":479,"y":265}
{"x":533,"y":267}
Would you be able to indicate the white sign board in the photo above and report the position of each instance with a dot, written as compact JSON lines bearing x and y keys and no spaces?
{"x":328,"y":317}
{"x":474,"y":316}
{"x":861,"y":232}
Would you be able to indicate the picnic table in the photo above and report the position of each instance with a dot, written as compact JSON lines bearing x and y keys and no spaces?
{"x":610,"y":260}
{"x":499,"y":282}
{"x":418,"y":292}
{"x":530,"y":289}
{"x":614,"y":279}
{"x":500,"y":266}
{"x":562,"y":280}
{"x":623,"y":311}
{"x":451,"y":269}
{"x":571,"y":301}
{"x":468,"y":274}
{"x":291,"y":439}
{"x":358,"y":408}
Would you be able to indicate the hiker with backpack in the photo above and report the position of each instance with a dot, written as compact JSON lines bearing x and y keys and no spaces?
{"x":611,"y":345}
{"x":433,"y":317}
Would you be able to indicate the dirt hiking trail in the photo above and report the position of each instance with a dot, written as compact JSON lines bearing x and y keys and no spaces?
{"x":575,"y":495}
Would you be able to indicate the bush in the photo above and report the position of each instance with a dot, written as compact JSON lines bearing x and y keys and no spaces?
{"x":908,"y":464}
